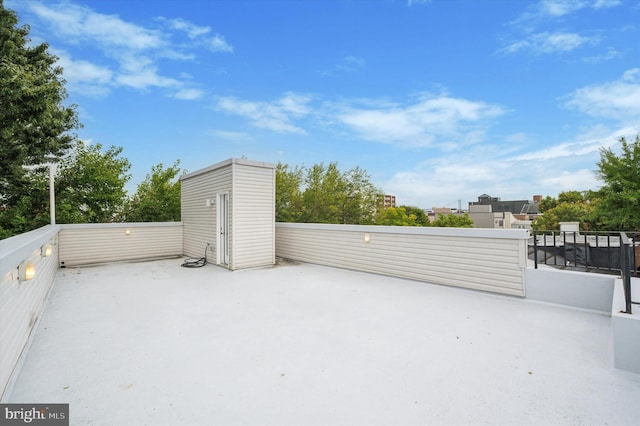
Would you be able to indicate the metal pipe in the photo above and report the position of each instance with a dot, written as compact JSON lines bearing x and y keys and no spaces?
{"x":624,"y":266}
{"x":52,"y":193}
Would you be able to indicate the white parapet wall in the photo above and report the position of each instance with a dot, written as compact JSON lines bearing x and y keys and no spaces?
{"x":482,"y":259}
{"x":22,"y":301}
{"x":90,"y":243}
{"x":626,"y":328}
{"x":585,"y":290}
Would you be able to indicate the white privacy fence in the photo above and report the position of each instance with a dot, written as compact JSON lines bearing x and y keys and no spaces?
{"x":483,"y":259}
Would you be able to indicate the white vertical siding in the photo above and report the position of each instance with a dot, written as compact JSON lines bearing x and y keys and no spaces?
{"x":254,"y":216}
{"x":198,"y":219}
{"x":22,"y":303}
{"x":251,"y":188}
{"x":481,"y":259}
{"x":108,"y":242}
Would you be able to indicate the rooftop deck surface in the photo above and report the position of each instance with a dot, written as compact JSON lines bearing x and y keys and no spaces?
{"x":297,"y":344}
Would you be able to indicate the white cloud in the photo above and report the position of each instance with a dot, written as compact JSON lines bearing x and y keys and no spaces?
{"x":218,"y":44}
{"x":198,"y":34}
{"x":276,"y":116}
{"x":189,"y":94}
{"x":233,"y":137}
{"x":82,"y":23}
{"x":609,"y":55}
{"x":131,"y":52}
{"x":547,"y":43}
{"x":587,"y":143}
{"x":603,"y":4}
{"x":619,"y":99}
{"x":83,"y":76}
{"x":567,"y":181}
{"x":560,"y":8}
{"x":429,"y":120}
{"x":193,"y":31}
{"x":442,"y":180}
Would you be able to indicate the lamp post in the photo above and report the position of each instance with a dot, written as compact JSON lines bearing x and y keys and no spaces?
{"x":52,"y":192}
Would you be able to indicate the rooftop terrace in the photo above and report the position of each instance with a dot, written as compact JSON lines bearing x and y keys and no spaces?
{"x":300,"y":344}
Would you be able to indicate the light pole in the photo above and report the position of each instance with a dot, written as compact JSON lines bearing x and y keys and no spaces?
{"x":52,"y":192}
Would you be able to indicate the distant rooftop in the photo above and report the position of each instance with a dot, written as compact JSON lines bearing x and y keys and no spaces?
{"x":298,"y":344}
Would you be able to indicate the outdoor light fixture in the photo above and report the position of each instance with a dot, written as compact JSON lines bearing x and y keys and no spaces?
{"x":46,"y":250}
{"x":127,"y":231}
{"x":208,"y":202}
{"x":367,"y":237}
{"x":26,"y":270}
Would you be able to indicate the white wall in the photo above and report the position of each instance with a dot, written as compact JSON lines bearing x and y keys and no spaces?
{"x":586,"y":290}
{"x":251,"y":189}
{"x":199,"y":219}
{"x":254,"y":215}
{"x":88,"y":243}
{"x":482,"y":259}
{"x":626,"y":328}
{"x":22,"y":302}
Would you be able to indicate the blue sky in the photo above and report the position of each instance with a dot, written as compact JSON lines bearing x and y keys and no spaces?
{"x":440,"y":101}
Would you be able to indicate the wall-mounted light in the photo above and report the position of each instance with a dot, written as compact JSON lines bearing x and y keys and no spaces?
{"x":208,"y":202}
{"x":127,"y":231}
{"x":367,"y":237}
{"x":46,"y":250}
{"x":26,"y":270}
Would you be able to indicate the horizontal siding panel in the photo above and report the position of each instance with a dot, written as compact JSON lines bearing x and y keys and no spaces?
{"x":489,"y":264}
{"x":108,"y":243}
{"x":22,"y":303}
{"x":200,"y":220}
{"x":254,"y":216}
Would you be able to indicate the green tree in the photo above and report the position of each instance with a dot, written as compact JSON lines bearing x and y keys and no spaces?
{"x":324,"y":194}
{"x":30,"y":211}
{"x":421,"y":217}
{"x":157,"y":198}
{"x":35,"y":125}
{"x":571,"y":197}
{"x":570,"y":206}
{"x":90,"y":187}
{"x":453,"y":221}
{"x":334,"y":197}
{"x":564,"y":212}
{"x":620,"y":193}
{"x":361,"y":198}
{"x":547,"y":203}
{"x":289,"y":201}
{"x":396,"y":216}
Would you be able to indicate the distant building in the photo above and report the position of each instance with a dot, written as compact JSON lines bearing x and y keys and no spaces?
{"x":389,"y":201}
{"x":492,"y":212}
{"x":516,"y":207}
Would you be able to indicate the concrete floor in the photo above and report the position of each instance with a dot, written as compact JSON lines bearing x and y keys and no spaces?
{"x":152,"y":343}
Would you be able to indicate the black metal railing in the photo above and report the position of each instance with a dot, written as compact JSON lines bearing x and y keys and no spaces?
{"x":628,"y":265}
{"x":605,"y":252}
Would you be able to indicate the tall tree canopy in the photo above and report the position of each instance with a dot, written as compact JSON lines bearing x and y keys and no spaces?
{"x":402,"y":216}
{"x":90,"y":187}
{"x":570,"y":206}
{"x":35,"y":125}
{"x":289,"y":202}
{"x":620,"y":193}
{"x":157,"y":198}
{"x":324,"y":194}
{"x":452,"y":220}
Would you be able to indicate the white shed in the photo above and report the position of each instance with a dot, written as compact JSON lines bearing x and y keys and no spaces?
{"x":228,"y":209}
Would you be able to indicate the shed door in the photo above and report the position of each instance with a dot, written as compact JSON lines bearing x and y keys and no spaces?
{"x":223,"y":228}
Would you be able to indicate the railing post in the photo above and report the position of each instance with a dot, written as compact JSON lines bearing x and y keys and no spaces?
{"x":625,"y":270}
{"x":535,"y":250}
